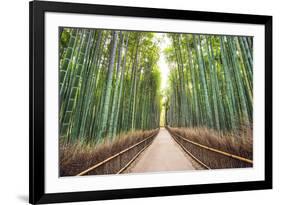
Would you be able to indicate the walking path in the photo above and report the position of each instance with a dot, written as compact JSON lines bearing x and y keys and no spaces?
{"x":164,"y":154}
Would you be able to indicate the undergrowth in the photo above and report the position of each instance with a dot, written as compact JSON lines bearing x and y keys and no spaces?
{"x":76,"y":157}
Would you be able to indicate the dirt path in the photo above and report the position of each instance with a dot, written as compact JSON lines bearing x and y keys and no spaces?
{"x":164,"y":154}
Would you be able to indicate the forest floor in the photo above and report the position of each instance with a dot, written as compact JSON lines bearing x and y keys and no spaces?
{"x":164,"y":154}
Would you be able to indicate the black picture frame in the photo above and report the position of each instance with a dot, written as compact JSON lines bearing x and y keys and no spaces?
{"x":37,"y":11}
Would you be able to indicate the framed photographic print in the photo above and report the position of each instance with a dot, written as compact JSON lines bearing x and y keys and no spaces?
{"x":140,"y":102}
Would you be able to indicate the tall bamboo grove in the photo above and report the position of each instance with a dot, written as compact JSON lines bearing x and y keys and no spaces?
{"x":109,"y":83}
{"x":210,"y":81}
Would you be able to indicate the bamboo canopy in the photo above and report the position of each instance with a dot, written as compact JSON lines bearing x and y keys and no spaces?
{"x":110,"y":82}
{"x":210,"y":82}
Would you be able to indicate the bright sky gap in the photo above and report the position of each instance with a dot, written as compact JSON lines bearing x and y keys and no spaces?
{"x":163,"y":66}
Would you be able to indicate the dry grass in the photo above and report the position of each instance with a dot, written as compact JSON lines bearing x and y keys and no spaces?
{"x":74,"y":158}
{"x":238,"y":143}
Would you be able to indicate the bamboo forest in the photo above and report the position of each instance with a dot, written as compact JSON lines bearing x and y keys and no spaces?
{"x":120,"y":92}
